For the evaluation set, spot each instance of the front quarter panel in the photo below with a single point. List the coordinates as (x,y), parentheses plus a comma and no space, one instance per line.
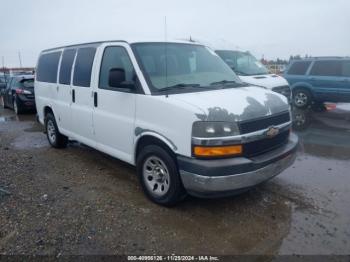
(167,119)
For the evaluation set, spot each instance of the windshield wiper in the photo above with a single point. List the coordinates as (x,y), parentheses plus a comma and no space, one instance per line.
(178,86)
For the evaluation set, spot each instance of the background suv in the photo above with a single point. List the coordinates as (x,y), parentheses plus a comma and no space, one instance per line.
(319,79)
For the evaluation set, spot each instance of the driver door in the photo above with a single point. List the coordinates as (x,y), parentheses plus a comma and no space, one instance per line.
(114,107)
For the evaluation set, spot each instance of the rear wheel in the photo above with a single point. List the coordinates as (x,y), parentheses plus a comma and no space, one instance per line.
(56,139)
(159,176)
(301,98)
(16,106)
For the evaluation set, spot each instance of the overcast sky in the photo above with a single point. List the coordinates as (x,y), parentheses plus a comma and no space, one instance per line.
(272,28)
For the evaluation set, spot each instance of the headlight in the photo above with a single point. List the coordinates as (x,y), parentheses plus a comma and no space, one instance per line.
(204,129)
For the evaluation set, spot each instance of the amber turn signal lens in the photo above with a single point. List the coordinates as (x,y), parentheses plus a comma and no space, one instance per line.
(218,150)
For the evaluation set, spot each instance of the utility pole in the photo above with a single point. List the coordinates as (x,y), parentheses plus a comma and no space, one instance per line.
(3,64)
(20,59)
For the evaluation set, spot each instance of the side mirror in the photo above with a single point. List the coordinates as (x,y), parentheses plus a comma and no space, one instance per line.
(116,78)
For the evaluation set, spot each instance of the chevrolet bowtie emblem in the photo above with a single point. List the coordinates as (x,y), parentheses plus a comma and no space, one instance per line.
(272,132)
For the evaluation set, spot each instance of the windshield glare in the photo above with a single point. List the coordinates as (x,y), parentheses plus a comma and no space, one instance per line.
(182,65)
(243,63)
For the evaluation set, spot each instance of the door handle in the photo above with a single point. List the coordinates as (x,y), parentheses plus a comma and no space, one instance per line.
(95,99)
(73,95)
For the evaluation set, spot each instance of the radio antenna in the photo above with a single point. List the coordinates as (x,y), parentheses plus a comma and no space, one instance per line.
(166,53)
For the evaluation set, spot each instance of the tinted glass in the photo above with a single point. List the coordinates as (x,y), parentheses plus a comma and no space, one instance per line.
(115,57)
(83,66)
(326,68)
(346,69)
(27,83)
(47,67)
(299,68)
(66,66)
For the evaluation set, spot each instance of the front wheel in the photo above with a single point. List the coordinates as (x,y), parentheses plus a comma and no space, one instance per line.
(301,98)
(56,139)
(159,176)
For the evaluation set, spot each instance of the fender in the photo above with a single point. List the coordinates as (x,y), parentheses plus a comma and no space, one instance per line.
(139,133)
(302,85)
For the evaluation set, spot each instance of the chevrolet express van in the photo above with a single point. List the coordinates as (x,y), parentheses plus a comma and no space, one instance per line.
(175,110)
(251,71)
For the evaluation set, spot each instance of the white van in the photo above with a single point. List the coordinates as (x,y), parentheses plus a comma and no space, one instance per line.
(175,110)
(251,71)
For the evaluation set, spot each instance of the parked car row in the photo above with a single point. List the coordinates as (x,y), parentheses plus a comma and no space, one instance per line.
(175,110)
(192,120)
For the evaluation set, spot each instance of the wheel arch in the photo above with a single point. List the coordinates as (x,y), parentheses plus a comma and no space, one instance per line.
(302,85)
(152,138)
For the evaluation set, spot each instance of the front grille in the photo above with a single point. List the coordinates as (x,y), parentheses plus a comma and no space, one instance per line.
(261,146)
(263,123)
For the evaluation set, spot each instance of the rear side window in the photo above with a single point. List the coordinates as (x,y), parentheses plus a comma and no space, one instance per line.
(346,69)
(83,66)
(47,67)
(299,68)
(115,57)
(28,83)
(326,68)
(66,66)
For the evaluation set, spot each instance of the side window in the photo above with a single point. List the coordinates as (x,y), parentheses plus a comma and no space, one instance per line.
(115,57)
(299,68)
(83,66)
(346,68)
(47,67)
(66,66)
(326,68)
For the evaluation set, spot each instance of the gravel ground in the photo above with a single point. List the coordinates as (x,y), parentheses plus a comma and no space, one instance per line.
(80,201)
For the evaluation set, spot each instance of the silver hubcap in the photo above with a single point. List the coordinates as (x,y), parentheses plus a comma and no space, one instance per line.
(300,99)
(156,176)
(51,132)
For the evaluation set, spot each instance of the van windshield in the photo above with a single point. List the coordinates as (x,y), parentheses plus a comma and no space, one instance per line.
(183,67)
(243,63)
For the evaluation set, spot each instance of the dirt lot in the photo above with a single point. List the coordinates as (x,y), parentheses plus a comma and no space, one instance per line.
(80,201)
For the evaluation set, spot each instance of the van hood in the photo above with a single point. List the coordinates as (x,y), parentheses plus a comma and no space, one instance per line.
(235,104)
(269,81)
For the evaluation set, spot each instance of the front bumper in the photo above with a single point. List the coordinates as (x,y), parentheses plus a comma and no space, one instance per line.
(211,178)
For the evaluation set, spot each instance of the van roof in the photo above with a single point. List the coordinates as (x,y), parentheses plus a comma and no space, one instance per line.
(123,41)
(322,58)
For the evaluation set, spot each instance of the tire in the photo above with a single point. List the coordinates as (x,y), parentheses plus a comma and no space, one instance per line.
(301,98)
(55,138)
(159,177)
(16,107)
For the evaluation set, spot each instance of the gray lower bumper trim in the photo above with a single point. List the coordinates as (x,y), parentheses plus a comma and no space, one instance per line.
(216,184)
